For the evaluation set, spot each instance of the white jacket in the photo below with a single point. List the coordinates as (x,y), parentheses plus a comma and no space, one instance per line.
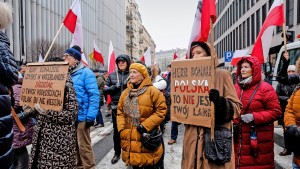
(159,83)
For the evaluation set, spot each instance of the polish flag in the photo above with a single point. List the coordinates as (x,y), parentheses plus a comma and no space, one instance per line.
(238,54)
(97,54)
(111,59)
(73,23)
(262,44)
(206,10)
(175,56)
(146,58)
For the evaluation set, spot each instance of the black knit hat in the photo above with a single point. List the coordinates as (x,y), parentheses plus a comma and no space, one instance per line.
(203,45)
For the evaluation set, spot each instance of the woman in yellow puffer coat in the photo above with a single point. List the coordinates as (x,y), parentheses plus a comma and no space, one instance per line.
(292,121)
(141,108)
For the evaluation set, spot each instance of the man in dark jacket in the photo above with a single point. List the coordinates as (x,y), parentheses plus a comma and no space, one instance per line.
(8,76)
(116,83)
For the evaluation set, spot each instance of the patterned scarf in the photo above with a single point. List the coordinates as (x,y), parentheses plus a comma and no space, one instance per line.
(71,68)
(131,106)
(244,82)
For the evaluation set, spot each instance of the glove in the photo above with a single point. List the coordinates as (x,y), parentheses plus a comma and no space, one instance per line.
(293,130)
(89,123)
(214,96)
(40,110)
(27,109)
(118,85)
(140,128)
(247,118)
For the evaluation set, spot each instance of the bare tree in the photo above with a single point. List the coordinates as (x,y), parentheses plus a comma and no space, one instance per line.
(40,47)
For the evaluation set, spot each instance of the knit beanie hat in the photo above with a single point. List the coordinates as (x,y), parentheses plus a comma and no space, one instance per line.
(291,68)
(74,53)
(140,68)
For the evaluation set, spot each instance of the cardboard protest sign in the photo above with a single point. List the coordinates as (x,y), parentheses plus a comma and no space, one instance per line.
(44,83)
(190,84)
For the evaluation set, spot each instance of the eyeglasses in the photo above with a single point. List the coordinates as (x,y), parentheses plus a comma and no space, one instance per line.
(65,56)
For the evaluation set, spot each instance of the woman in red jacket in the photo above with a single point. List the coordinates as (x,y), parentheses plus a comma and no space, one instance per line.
(254,144)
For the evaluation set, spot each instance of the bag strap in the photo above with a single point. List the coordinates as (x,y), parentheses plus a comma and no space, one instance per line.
(17,120)
(247,107)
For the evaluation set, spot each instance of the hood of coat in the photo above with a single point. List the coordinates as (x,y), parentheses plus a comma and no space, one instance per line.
(80,66)
(256,69)
(124,57)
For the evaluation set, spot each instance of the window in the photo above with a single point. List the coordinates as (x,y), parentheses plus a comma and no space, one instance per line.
(289,12)
(244,33)
(264,13)
(252,29)
(270,3)
(248,32)
(252,2)
(257,22)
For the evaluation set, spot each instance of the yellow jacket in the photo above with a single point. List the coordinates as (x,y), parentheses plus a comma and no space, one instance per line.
(152,112)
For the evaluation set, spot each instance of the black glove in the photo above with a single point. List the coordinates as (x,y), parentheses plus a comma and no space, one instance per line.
(89,123)
(140,128)
(293,130)
(214,96)
(223,107)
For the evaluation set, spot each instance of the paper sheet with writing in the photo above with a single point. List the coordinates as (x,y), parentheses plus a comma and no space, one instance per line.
(44,83)
(190,85)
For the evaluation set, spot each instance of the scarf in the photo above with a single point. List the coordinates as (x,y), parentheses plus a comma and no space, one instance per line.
(71,68)
(244,82)
(131,106)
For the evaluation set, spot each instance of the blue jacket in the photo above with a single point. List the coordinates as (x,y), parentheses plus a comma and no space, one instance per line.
(87,93)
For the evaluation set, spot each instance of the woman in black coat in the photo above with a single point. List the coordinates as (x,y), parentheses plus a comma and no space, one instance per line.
(8,76)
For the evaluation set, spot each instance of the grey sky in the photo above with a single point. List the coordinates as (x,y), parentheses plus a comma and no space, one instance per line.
(169,22)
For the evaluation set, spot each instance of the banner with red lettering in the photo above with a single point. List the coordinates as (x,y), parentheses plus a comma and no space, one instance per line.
(190,85)
(44,83)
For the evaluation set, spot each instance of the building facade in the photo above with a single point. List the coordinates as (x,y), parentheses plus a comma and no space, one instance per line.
(36,22)
(137,37)
(239,22)
(164,58)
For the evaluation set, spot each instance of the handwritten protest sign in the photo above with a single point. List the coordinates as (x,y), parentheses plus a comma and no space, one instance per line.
(44,83)
(190,85)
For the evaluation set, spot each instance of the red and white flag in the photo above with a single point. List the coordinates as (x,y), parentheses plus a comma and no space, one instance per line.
(175,56)
(206,10)
(73,23)
(98,55)
(238,54)
(146,58)
(111,59)
(262,44)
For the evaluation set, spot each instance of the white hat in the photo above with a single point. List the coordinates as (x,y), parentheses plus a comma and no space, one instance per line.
(291,68)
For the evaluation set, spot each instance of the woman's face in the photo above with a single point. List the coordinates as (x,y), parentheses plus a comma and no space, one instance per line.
(135,76)
(198,52)
(246,70)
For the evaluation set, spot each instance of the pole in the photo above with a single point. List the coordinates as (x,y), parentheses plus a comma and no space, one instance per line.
(284,37)
(213,71)
(55,37)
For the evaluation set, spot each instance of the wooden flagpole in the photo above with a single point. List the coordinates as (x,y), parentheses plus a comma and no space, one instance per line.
(284,37)
(213,66)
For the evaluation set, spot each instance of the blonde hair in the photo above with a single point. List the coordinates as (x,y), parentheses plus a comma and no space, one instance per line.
(5,15)
(154,72)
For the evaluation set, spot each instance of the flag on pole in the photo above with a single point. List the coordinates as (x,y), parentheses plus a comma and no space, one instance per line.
(73,23)
(175,56)
(111,59)
(146,58)
(274,18)
(97,54)
(40,58)
(206,10)
(238,54)
(91,56)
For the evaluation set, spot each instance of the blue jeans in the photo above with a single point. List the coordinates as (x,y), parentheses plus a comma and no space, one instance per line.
(174,130)
(99,118)
(295,166)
